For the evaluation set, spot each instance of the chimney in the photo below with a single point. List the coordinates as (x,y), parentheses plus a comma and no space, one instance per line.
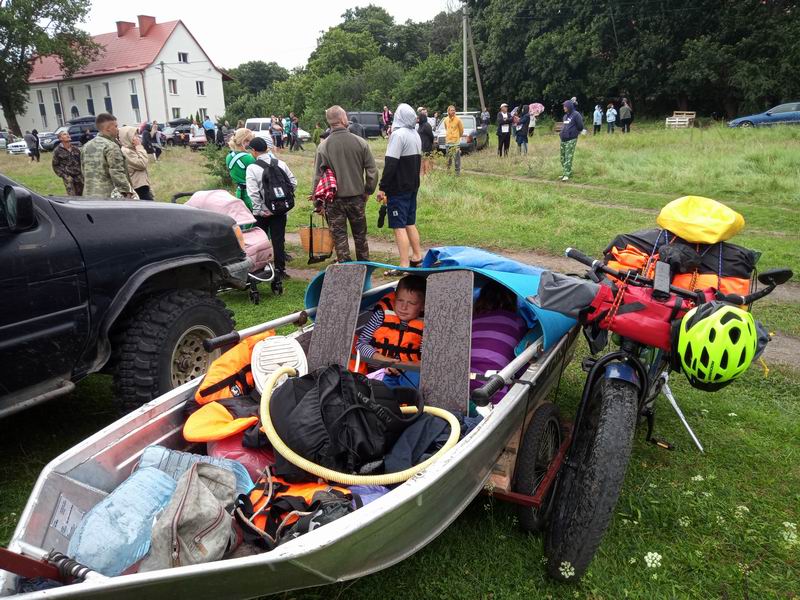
(124,27)
(145,24)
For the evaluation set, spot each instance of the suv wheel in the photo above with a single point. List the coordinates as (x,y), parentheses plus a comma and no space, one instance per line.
(161,346)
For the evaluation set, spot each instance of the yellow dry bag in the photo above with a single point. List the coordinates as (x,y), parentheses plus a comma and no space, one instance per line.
(700,220)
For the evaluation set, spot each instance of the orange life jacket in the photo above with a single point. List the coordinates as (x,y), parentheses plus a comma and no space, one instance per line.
(272,516)
(224,404)
(394,338)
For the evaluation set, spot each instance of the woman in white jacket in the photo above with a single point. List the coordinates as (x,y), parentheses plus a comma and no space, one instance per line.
(136,161)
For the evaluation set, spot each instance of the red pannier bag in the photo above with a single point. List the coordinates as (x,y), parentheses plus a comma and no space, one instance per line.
(636,315)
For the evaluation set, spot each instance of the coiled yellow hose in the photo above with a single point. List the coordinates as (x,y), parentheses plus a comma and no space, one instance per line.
(346,478)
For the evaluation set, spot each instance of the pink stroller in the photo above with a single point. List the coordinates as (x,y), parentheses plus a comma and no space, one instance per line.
(256,243)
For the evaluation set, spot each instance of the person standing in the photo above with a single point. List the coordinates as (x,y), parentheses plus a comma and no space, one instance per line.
(67,165)
(237,161)
(136,161)
(273,225)
(296,145)
(503,130)
(486,117)
(399,185)
(103,164)
(572,128)
(598,119)
(521,131)
(611,117)
(208,126)
(426,137)
(532,123)
(625,116)
(287,131)
(32,141)
(316,135)
(453,130)
(351,160)
(277,132)
(386,120)
(85,136)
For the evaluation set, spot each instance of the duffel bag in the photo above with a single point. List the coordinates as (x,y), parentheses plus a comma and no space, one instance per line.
(338,419)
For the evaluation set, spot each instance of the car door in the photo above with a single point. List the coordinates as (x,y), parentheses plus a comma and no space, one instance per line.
(44,308)
(782,113)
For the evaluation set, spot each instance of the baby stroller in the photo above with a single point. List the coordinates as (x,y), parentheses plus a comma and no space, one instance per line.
(256,243)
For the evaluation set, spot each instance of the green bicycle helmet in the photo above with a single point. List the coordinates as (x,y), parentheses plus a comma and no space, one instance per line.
(716,343)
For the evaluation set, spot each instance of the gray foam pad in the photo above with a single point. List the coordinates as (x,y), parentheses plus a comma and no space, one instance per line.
(337,314)
(447,340)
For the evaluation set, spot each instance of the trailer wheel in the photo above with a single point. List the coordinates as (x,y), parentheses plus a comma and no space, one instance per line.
(588,487)
(539,447)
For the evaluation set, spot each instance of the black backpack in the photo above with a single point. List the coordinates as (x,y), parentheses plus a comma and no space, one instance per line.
(339,420)
(276,188)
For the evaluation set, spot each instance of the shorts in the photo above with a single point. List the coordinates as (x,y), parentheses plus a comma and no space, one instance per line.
(402,209)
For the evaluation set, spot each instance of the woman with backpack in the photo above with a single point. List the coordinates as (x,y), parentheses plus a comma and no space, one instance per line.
(272,200)
(237,161)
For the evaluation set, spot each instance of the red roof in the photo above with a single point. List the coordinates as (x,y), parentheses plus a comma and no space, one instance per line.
(130,52)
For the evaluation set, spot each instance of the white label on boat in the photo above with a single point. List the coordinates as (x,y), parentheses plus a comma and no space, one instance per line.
(66,517)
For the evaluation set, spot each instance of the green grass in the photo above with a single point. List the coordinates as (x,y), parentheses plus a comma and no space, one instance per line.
(750,429)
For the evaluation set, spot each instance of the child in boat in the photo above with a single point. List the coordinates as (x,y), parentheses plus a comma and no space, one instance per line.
(394,331)
(497,328)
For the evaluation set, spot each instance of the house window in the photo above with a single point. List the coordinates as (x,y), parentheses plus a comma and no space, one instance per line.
(203,113)
(137,115)
(57,107)
(88,91)
(90,106)
(173,86)
(201,88)
(132,84)
(39,96)
(56,98)
(71,91)
(183,57)
(74,112)
(42,109)
(107,90)
(176,113)
(107,98)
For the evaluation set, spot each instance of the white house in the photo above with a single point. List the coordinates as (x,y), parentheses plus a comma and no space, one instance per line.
(156,71)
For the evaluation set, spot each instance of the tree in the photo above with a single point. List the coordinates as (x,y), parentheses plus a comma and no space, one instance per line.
(253,77)
(373,20)
(341,51)
(30,28)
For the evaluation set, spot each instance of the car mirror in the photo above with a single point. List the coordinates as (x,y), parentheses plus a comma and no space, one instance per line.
(769,113)
(18,208)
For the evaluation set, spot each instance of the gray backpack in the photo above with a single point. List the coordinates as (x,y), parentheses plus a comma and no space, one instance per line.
(196,526)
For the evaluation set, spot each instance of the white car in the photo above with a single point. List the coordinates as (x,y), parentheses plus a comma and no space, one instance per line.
(18,148)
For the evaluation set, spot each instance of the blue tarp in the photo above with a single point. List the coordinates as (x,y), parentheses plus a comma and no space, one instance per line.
(520,278)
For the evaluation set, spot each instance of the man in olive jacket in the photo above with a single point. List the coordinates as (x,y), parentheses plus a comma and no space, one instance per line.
(104,172)
(351,160)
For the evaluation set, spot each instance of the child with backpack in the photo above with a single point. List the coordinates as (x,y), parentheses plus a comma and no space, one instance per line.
(393,333)
(271,186)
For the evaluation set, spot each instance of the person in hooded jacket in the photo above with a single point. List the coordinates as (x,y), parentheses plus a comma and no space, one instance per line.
(399,185)
(573,126)
(521,130)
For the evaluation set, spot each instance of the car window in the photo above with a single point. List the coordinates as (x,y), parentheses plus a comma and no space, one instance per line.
(252,126)
(469,122)
(782,108)
(266,126)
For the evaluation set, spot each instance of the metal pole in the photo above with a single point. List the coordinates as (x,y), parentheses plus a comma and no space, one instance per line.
(464,27)
(164,89)
(475,66)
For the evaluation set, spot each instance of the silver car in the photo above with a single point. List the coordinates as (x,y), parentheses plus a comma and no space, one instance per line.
(475,135)
(20,147)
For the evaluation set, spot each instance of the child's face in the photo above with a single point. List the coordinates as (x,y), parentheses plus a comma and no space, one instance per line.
(408,305)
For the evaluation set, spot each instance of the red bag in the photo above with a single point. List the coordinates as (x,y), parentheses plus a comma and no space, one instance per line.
(632,312)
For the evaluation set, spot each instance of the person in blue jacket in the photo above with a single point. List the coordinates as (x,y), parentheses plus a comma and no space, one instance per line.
(573,126)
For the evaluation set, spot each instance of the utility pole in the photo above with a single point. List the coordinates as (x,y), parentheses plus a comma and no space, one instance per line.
(464,26)
(475,66)
(164,89)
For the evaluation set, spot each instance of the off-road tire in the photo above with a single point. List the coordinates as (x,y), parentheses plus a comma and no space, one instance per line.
(539,447)
(146,344)
(587,493)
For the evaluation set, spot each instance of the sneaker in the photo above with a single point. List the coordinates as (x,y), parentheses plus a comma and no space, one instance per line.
(565,178)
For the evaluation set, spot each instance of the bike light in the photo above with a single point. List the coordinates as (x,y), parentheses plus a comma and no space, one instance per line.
(239,236)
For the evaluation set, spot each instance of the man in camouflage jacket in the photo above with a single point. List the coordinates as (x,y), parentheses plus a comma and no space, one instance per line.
(104,172)
(67,165)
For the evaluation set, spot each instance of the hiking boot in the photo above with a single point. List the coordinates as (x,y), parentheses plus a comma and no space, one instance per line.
(283,275)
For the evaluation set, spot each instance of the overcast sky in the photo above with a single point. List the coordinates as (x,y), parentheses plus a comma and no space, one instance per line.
(274,30)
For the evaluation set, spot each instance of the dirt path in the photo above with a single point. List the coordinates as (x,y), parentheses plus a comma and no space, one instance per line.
(783,349)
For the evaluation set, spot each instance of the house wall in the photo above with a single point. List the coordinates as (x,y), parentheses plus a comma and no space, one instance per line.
(149,90)
(199,68)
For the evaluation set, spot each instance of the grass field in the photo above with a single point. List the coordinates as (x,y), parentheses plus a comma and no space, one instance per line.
(724,523)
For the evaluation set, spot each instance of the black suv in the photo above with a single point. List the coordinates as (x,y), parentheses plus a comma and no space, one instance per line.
(371,121)
(124,287)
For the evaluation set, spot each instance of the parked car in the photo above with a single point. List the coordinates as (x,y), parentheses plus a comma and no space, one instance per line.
(76,131)
(782,114)
(178,136)
(371,121)
(261,126)
(198,141)
(47,141)
(128,288)
(303,135)
(475,135)
(20,147)
(6,139)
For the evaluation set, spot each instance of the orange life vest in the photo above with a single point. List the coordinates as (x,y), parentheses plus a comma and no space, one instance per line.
(394,338)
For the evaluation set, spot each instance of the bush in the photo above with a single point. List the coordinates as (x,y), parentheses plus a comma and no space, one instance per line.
(215,165)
